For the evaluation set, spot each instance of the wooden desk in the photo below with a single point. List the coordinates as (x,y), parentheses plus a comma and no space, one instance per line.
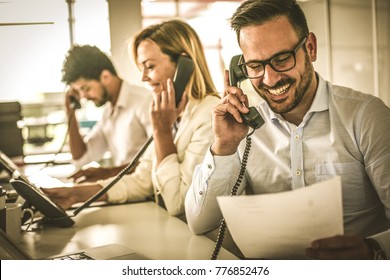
(144,227)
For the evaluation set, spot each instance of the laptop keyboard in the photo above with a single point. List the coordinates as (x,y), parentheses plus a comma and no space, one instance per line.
(76,256)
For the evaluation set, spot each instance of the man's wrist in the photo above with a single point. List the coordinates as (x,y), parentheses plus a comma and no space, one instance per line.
(71,114)
(226,149)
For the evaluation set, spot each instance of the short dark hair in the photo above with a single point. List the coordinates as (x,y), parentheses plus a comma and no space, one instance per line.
(254,12)
(85,62)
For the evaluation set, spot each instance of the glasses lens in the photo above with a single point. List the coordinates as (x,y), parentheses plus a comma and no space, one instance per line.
(253,69)
(280,63)
(283,62)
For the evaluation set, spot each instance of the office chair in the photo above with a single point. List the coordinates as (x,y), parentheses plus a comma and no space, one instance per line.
(11,139)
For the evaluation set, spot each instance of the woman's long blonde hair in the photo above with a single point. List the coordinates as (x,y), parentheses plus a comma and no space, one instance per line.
(176,37)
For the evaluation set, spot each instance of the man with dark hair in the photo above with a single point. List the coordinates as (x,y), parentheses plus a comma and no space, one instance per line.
(313,131)
(124,126)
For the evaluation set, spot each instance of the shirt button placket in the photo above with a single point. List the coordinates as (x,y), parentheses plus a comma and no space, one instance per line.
(297,158)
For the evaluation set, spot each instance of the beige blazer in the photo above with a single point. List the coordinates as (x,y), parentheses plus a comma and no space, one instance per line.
(172,178)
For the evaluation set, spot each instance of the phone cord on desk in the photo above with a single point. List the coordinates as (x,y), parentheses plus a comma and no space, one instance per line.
(52,162)
(222,225)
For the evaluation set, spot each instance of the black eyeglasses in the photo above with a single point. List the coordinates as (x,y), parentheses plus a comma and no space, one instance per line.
(280,62)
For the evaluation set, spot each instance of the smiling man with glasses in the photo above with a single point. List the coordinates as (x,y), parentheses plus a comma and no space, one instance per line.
(313,131)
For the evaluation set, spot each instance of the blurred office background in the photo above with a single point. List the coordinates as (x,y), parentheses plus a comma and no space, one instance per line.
(353,45)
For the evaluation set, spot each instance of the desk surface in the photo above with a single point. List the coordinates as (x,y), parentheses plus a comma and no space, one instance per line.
(143,227)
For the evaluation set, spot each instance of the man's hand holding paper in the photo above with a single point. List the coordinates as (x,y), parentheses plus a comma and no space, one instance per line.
(283,225)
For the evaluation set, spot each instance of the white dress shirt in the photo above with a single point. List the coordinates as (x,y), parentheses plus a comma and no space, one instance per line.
(122,130)
(344,133)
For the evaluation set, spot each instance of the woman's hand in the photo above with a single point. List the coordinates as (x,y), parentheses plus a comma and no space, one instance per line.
(163,114)
(163,110)
(65,197)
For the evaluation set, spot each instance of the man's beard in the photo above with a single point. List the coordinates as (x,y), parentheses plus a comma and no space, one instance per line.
(104,99)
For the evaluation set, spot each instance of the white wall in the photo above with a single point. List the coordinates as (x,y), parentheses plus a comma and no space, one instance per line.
(31,57)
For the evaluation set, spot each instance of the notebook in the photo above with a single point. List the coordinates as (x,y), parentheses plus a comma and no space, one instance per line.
(9,250)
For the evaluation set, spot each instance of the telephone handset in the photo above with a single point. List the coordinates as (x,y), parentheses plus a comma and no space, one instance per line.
(184,69)
(252,118)
(74,103)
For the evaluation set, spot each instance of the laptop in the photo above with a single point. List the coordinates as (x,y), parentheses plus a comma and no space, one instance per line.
(9,250)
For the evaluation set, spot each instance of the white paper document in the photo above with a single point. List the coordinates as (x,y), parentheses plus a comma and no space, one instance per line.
(282,225)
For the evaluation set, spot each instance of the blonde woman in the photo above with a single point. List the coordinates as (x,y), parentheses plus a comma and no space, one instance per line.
(181,133)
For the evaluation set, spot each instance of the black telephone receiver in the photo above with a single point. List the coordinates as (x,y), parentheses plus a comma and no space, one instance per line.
(74,103)
(184,69)
(252,118)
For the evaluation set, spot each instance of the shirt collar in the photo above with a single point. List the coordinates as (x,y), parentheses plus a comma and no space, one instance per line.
(120,103)
(320,101)
(122,98)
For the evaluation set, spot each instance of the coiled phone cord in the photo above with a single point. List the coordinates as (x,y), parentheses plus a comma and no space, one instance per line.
(222,225)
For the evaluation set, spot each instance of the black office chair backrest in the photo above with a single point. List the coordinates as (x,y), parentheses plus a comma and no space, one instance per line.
(11,138)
